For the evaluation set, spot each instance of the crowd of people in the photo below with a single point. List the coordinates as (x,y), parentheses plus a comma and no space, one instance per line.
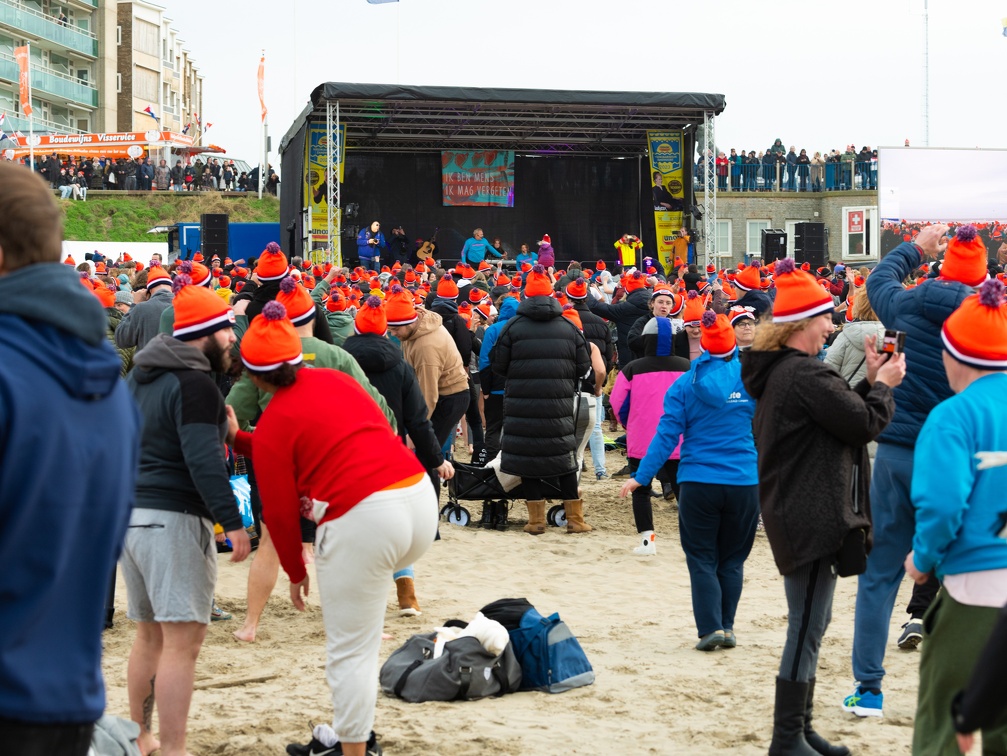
(726,382)
(74,175)
(791,170)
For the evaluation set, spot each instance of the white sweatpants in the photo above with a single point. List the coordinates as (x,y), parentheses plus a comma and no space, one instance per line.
(585,427)
(355,557)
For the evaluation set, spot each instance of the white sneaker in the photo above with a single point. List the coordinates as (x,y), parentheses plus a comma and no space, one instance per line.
(648,544)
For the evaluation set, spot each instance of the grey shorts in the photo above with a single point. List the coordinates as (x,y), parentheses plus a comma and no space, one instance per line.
(169,564)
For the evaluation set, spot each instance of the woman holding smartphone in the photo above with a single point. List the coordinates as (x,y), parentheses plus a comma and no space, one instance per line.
(808,419)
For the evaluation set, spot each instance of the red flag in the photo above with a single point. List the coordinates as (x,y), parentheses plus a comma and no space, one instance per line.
(21,56)
(262,74)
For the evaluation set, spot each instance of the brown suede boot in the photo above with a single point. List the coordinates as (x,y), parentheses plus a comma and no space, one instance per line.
(536,517)
(408,606)
(574,509)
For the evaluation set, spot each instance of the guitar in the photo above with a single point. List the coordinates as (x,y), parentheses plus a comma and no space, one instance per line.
(426,250)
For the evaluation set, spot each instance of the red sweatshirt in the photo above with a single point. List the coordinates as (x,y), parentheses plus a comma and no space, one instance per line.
(340,454)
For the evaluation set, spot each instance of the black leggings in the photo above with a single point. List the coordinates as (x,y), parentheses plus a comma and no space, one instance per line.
(475,420)
(643,510)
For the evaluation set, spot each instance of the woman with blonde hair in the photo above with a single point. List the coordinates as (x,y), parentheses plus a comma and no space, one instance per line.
(808,419)
(846,354)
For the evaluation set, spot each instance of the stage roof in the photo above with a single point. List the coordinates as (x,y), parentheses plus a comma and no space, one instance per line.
(393,118)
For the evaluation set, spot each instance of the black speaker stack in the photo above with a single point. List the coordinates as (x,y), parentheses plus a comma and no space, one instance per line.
(213,235)
(811,244)
(774,244)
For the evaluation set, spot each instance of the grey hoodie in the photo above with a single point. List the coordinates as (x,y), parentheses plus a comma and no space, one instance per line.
(182,464)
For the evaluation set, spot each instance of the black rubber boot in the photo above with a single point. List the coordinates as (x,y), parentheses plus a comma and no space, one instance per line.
(500,515)
(788,720)
(488,518)
(816,741)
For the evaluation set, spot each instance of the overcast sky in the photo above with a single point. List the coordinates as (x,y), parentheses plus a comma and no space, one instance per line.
(816,74)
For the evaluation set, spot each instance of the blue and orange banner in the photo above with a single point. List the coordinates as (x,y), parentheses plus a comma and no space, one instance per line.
(480,178)
(667,189)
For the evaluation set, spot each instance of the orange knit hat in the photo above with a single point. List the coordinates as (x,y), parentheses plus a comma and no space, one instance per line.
(694,309)
(399,307)
(476,295)
(69,261)
(798,295)
(198,272)
(296,301)
(157,275)
(105,296)
(571,314)
(447,288)
(965,259)
(677,300)
(577,289)
(371,317)
(336,301)
(502,279)
(636,280)
(198,311)
(271,341)
(272,263)
(198,257)
(717,336)
(538,283)
(976,333)
(748,279)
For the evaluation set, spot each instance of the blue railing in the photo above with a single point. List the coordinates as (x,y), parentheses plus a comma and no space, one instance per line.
(47,82)
(46,27)
(775,177)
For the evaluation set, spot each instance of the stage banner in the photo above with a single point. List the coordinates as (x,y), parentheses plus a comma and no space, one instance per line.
(667,189)
(478,178)
(316,155)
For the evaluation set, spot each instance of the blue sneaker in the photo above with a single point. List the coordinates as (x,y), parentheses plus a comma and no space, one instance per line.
(863,703)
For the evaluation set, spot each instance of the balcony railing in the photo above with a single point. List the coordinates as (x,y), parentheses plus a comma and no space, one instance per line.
(14,123)
(45,27)
(843,176)
(50,82)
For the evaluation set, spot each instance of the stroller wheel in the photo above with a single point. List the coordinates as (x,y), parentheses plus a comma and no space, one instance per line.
(456,515)
(557,516)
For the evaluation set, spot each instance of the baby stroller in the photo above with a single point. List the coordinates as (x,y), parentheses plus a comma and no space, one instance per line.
(474,483)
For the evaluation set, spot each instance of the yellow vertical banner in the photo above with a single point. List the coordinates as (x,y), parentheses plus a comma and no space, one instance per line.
(667,189)
(316,149)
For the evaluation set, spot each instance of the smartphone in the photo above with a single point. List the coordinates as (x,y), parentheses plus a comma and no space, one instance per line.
(892,342)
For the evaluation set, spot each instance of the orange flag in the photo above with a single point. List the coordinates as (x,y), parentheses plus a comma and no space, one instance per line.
(21,56)
(262,98)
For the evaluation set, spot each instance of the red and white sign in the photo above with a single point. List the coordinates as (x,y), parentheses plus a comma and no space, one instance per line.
(855,222)
(124,144)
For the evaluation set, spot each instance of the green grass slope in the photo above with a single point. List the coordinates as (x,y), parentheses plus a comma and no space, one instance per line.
(127,218)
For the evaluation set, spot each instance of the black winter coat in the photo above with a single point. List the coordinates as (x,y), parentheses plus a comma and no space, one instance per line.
(395,380)
(597,332)
(811,430)
(544,357)
(455,325)
(268,291)
(624,314)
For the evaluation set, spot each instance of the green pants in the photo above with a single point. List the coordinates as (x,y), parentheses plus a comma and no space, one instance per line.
(954,635)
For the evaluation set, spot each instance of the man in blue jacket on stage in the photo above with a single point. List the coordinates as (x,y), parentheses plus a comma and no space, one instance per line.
(476,249)
(920,313)
(69,448)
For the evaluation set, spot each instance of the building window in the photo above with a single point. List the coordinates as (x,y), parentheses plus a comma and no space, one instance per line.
(724,238)
(145,37)
(145,84)
(118,82)
(754,237)
(118,35)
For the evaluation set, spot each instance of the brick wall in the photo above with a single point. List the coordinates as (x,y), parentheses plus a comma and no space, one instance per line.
(780,207)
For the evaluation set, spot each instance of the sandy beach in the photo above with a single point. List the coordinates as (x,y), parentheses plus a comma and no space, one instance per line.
(654,693)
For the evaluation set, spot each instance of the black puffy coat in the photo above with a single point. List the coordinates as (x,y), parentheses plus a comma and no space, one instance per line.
(543,357)
(624,314)
(395,380)
(812,431)
(597,332)
(455,325)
